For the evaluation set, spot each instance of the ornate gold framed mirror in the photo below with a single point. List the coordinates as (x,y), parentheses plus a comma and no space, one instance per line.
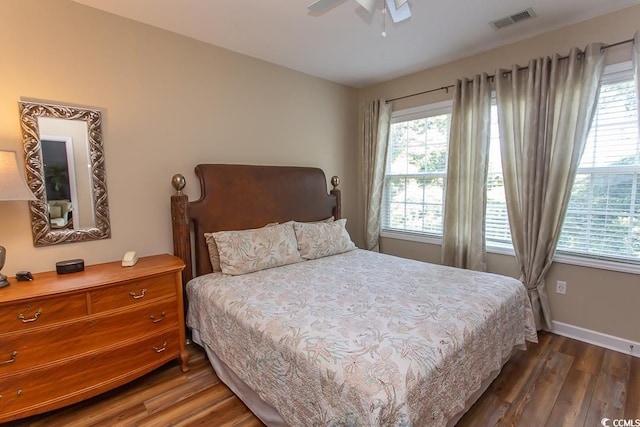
(65,170)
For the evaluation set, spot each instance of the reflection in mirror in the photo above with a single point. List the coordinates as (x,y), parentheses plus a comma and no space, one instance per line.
(67,172)
(64,159)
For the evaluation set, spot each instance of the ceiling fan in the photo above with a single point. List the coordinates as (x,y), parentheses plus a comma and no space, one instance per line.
(398,9)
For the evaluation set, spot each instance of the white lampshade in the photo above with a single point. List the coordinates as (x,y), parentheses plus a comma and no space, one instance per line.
(12,185)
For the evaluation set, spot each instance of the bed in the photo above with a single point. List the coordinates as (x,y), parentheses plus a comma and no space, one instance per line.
(307,329)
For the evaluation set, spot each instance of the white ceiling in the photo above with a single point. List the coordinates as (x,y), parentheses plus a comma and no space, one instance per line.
(344,44)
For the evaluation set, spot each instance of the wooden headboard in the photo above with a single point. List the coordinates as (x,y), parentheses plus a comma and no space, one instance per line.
(239,197)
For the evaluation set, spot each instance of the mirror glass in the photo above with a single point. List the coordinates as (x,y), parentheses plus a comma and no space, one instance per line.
(64,159)
(67,172)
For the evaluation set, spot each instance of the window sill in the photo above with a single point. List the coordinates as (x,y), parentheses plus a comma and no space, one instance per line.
(431,239)
(602,264)
(562,258)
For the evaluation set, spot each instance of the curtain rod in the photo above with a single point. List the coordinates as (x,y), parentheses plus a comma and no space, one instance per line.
(446,88)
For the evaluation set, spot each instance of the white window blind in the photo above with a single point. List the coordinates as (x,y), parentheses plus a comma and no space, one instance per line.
(603,218)
(497,229)
(415,178)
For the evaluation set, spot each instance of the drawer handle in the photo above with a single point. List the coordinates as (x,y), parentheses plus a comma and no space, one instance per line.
(160,319)
(134,296)
(11,359)
(32,319)
(160,349)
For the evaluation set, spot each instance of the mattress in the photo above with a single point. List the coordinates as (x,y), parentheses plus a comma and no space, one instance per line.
(362,338)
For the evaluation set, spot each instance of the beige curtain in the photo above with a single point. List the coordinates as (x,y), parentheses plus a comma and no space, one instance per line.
(376,119)
(465,199)
(544,114)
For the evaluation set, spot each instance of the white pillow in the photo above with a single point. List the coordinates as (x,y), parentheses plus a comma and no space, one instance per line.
(247,251)
(317,240)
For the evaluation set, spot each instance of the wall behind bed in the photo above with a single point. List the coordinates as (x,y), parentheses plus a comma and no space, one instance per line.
(598,303)
(169,102)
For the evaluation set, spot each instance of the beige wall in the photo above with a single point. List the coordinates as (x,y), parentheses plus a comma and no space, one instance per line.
(599,300)
(168,103)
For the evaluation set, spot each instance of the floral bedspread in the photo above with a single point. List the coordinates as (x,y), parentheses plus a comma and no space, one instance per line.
(361,338)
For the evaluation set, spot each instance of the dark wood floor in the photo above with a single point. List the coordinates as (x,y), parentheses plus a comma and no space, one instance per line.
(561,382)
(558,382)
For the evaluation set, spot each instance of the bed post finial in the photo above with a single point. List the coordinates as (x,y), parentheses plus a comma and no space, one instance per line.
(178,183)
(335,191)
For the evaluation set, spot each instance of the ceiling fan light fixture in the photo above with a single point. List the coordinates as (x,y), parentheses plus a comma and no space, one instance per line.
(398,9)
(368,4)
(400,3)
(320,5)
(401,13)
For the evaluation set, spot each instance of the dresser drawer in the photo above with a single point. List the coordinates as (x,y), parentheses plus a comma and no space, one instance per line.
(133,292)
(19,351)
(42,312)
(86,376)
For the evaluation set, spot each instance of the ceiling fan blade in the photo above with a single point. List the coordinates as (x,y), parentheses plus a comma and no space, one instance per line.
(398,14)
(320,5)
(368,4)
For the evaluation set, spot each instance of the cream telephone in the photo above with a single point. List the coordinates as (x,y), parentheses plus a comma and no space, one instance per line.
(129,259)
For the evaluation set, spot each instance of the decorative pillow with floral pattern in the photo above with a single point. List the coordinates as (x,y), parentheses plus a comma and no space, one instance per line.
(317,240)
(257,249)
(214,256)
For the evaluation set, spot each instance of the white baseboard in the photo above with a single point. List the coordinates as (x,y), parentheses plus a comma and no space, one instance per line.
(597,338)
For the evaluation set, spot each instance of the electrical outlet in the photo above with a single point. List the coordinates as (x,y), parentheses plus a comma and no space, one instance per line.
(561,287)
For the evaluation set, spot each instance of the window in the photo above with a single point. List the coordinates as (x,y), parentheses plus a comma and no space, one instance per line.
(603,218)
(497,231)
(415,178)
(416,174)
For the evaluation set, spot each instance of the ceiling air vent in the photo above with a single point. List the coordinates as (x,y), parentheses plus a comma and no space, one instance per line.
(512,19)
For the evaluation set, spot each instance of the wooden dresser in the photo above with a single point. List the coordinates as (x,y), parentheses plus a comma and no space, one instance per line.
(64,338)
